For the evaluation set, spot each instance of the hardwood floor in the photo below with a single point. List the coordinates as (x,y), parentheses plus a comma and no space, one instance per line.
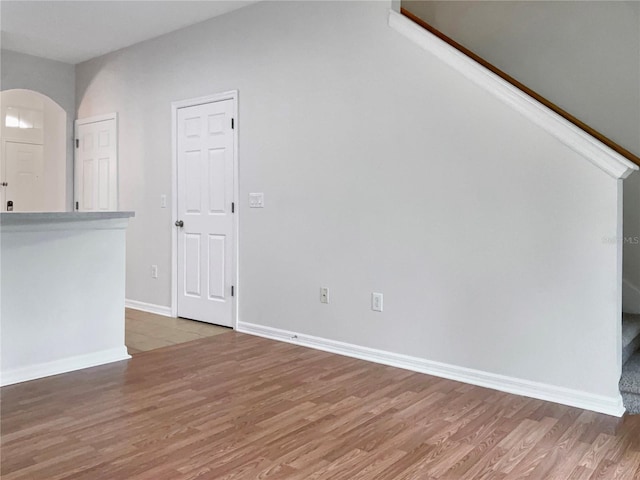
(235,406)
(147,331)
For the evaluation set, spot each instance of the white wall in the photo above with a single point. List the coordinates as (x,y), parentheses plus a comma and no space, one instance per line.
(53,79)
(583,56)
(631,296)
(62,293)
(55,158)
(383,171)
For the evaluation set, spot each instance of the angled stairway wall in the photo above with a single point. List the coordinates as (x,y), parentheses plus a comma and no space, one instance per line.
(384,170)
(582,56)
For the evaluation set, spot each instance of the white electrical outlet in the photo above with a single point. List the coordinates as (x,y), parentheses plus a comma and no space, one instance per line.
(154,271)
(163,201)
(376,302)
(324,295)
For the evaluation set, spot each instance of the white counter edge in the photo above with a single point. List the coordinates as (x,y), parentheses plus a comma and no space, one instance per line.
(37,221)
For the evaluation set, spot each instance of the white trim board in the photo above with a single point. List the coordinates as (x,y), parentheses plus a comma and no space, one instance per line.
(98,118)
(551,393)
(65,365)
(566,132)
(218,97)
(148,307)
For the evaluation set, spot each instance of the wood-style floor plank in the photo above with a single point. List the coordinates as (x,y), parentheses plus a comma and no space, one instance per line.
(146,331)
(235,406)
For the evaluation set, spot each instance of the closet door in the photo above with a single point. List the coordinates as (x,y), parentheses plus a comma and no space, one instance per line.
(96,164)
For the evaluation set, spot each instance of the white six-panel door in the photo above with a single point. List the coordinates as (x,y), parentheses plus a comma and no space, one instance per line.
(96,164)
(205,193)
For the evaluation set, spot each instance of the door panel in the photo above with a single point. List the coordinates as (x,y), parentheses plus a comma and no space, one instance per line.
(192,172)
(217,189)
(96,165)
(104,189)
(192,265)
(87,184)
(216,264)
(205,157)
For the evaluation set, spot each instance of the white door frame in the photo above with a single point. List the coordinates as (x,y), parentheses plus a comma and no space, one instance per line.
(230,95)
(83,121)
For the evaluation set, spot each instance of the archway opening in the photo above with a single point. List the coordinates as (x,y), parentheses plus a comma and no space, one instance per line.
(33,152)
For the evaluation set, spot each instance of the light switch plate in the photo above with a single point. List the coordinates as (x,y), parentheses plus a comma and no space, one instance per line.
(256,200)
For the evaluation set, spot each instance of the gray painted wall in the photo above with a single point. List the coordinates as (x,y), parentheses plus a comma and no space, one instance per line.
(51,78)
(383,171)
(582,55)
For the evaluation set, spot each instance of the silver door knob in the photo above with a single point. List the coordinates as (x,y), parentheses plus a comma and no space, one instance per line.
(179,223)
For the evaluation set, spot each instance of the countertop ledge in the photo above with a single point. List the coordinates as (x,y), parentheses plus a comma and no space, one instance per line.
(30,218)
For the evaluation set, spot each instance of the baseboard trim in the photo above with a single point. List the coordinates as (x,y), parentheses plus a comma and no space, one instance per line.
(57,367)
(574,398)
(148,307)
(630,297)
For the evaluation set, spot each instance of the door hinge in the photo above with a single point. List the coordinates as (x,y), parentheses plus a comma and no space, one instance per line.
(233,207)
(77,205)
(232,290)
(233,123)
(77,143)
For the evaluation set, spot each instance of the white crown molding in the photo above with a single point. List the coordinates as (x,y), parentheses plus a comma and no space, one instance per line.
(575,138)
(574,398)
(57,367)
(148,307)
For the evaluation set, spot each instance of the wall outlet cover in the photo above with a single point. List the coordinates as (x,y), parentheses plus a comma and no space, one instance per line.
(324,295)
(376,302)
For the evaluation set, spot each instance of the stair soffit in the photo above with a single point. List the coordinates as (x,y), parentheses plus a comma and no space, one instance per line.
(602,156)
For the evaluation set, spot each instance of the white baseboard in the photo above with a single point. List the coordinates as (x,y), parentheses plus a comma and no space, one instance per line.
(79,362)
(630,297)
(148,307)
(575,398)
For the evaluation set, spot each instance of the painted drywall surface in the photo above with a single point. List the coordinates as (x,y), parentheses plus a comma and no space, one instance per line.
(55,158)
(631,298)
(53,79)
(62,292)
(583,56)
(383,171)
(631,295)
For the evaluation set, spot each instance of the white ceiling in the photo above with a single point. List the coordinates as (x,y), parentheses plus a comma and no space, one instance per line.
(75,31)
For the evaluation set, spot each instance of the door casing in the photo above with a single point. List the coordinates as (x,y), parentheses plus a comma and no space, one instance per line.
(175,106)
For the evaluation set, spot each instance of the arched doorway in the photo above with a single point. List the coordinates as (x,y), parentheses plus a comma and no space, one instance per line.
(33,152)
